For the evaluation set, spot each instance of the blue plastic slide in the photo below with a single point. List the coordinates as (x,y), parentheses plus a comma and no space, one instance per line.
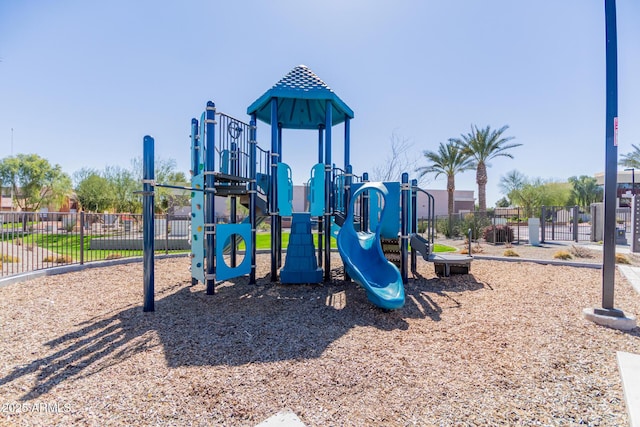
(365,262)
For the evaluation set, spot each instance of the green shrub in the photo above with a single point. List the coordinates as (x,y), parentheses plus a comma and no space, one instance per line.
(510,252)
(562,255)
(501,234)
(442,227)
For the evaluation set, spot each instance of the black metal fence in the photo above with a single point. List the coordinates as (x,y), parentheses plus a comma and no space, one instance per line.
(511,225)
(34,241)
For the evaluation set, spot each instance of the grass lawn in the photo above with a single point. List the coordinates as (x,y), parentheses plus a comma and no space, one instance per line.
(68,245)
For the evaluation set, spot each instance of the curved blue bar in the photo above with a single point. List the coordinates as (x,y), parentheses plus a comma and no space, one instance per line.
(365,262)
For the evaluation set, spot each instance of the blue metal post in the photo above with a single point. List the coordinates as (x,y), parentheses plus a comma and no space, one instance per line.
(327,190)
(279,218)
(148,222)
(404,226)
(195,148)
(611,161)
(347,161)
(320,218)
(210,208)
(274,189)
(414,221)
(364,206)
(253,188)
(233,209)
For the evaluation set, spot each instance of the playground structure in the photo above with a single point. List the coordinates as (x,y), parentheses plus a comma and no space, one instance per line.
(373,223)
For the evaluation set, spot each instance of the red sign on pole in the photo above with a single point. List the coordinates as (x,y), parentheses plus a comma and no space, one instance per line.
(615,131)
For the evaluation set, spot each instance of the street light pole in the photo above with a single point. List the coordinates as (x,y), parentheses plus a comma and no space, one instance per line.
(608,315)
(11,200)
(633,180)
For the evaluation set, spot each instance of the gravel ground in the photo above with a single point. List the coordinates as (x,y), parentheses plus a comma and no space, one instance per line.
(504,345)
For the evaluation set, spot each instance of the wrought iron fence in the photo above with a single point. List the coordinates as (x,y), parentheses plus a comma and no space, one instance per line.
(511,225)
(34,241)
(564,223)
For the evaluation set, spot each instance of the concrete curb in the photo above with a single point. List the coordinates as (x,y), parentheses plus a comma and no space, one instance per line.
(629,366)
(539,261)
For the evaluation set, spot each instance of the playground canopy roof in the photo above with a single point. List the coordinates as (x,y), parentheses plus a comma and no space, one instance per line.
(302,97)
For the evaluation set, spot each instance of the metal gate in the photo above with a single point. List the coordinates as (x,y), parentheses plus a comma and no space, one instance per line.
(564,223)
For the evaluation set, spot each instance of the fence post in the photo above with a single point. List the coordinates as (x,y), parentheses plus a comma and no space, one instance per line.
(81,237)
(166,234)
(543,225)
(576,212)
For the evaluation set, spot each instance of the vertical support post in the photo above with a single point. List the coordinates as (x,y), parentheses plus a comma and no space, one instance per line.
(148,222)
(279,218)
(166,233)
(320,218)
(576,222)
(364,206)
(635,224)
(543,224)
(233,208)
(404,226)
(611,157)
(347,161)
(210,208)
(327,190)
(82,219)
(274,190)
(253,188)
(195,148)
(414,222)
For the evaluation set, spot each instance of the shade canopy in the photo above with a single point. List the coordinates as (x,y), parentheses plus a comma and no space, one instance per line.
(301,97)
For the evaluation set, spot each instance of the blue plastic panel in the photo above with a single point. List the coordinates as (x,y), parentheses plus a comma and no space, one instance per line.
(316,190)
(224,232)
(391,221)
(285,190)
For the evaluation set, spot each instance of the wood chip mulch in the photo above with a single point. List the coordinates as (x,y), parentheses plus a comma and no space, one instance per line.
(504,345)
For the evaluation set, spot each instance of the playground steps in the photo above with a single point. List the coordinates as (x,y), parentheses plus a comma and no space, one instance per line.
(448,264)
(391,250)
(261,204)
(300,264)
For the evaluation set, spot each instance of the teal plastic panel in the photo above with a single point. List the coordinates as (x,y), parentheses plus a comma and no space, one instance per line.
(316,190)
(391,221)
(224,232)
(224,161)
(197,228)
(339,193)
(285,190)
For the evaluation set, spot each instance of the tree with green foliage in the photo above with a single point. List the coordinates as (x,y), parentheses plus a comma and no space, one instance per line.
(449,160)
(532,194)
(35,182)
(123,185)
(585,191)
(510,183)
(632,159)
(483,145)
(95,193)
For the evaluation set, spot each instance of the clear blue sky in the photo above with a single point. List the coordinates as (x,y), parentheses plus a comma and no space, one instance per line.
(81,82)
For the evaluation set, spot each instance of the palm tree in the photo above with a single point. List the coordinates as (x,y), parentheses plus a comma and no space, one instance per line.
(482,145)
(632,159)
(449,160)
(585,190)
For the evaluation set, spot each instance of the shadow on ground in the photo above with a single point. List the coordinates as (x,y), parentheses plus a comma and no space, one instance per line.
(240,324)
